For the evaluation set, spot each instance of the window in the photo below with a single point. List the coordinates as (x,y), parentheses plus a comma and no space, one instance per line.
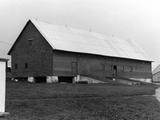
(30,40)
(26,65)
(16,66)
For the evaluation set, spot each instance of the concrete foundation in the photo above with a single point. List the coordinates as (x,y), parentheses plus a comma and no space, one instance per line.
(52,79)
(31,79)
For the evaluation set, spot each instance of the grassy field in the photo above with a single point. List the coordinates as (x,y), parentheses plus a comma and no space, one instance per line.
(27,101)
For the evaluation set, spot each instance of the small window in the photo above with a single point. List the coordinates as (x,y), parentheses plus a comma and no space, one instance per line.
(30,40)
(26,65)
(16,66)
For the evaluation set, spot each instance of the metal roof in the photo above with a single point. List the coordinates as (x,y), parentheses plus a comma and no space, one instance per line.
(76,40)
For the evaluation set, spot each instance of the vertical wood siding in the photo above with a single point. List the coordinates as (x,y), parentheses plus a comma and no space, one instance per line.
(98,66)
(33,50)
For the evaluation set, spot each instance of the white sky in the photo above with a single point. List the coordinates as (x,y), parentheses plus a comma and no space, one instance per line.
(129,19)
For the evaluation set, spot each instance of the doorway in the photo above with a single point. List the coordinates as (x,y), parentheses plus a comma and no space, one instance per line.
(114,71)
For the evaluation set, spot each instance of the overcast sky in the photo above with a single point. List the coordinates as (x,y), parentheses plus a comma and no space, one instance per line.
(138,20)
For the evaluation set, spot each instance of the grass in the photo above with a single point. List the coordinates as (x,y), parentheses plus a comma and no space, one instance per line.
(81,102)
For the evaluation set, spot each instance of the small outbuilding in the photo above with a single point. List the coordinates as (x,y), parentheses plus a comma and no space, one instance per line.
(3,63)
(156,74)
(54,52)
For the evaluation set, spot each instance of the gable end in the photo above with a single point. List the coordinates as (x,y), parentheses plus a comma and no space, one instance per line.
(14,44)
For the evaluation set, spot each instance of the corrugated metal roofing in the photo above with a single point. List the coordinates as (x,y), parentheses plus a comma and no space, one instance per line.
(76,40)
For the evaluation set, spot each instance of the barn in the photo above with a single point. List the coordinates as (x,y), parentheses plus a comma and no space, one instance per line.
(45,51)
(156,74)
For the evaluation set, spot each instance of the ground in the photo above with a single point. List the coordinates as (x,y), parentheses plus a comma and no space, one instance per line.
(27,101)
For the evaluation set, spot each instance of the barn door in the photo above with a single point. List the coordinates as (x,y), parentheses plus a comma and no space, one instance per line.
(74,68)
(114,71)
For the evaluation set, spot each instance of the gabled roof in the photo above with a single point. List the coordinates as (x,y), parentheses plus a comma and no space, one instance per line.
(82,41)
(156,70)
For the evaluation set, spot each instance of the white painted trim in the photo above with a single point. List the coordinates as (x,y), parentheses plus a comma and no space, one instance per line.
(2,86)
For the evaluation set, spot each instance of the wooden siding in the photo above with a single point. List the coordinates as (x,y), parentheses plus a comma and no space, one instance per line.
(98,66)
(64,64)
(31,49)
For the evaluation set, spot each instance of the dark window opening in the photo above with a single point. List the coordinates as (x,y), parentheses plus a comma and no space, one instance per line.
(40,79)
(30,41)
(26,65)
(115,67)
(114,70)
(65,79)
(16,66)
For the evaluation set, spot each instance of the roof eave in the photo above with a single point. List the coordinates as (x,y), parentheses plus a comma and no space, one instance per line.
(103,55)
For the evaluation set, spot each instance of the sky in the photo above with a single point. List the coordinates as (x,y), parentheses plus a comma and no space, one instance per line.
(137,20)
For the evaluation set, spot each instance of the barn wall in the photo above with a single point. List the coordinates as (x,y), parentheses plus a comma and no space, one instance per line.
(64,64)
(102,67)
(32,49)
(98,66)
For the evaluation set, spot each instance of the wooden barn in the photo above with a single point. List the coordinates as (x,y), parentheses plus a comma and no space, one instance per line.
(44,50)
(156,74)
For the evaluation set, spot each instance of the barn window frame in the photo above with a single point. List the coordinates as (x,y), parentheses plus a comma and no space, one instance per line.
(30,40)
(26,65)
